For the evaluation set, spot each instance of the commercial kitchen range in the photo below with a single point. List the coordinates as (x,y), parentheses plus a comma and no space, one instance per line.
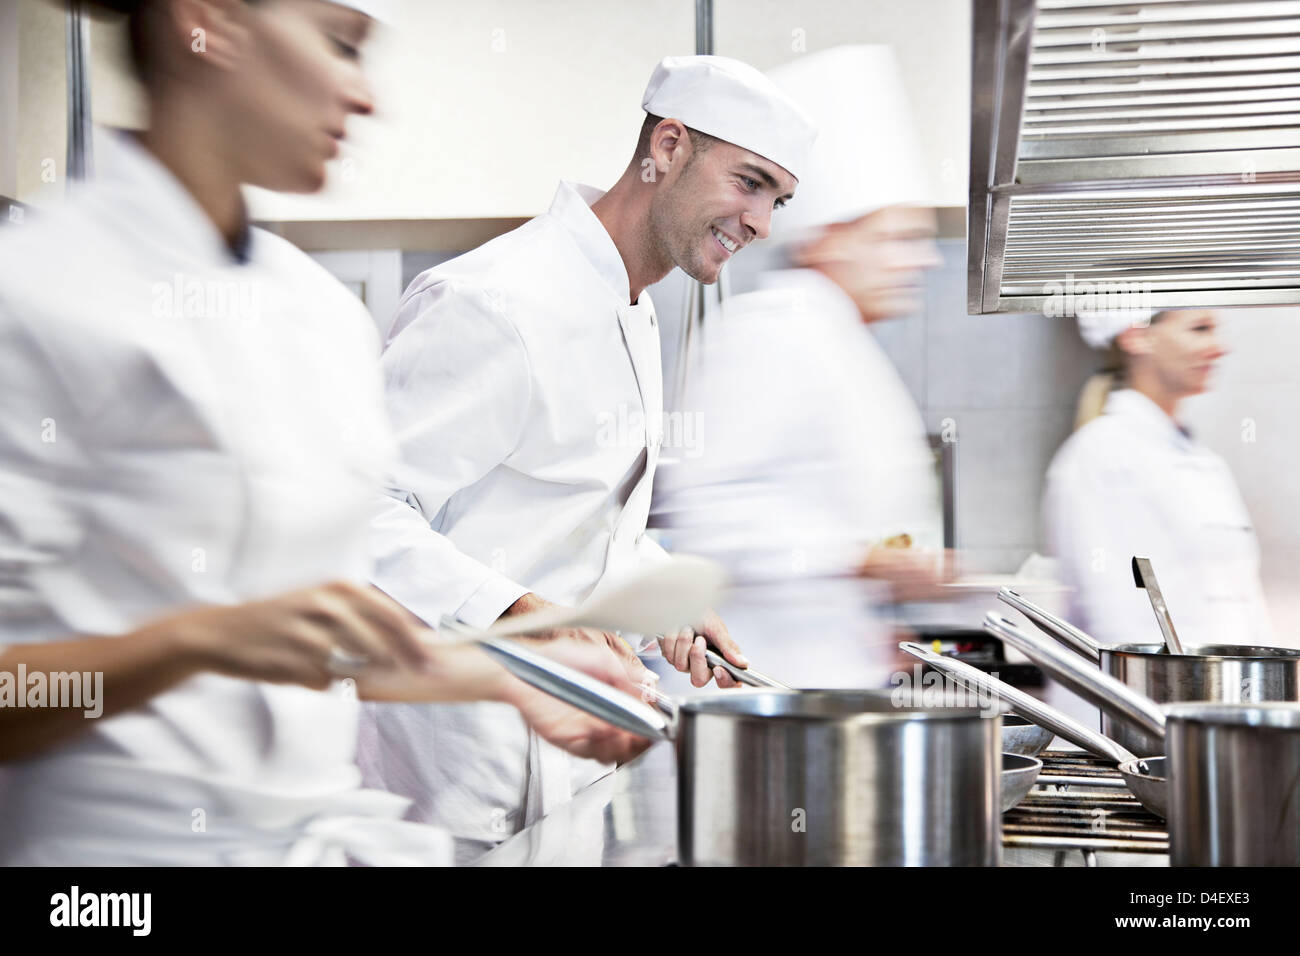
(1079,814)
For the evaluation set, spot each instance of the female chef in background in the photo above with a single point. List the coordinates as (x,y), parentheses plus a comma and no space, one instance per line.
(191,439)
(1133,481)
(814,458)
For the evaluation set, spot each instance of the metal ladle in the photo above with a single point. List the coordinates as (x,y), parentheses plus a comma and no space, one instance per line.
(1145,578)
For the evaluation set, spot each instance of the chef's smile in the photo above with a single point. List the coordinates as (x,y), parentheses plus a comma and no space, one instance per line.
(729,246)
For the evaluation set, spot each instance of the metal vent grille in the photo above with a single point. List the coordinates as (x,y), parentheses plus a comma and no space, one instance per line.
(1155,143)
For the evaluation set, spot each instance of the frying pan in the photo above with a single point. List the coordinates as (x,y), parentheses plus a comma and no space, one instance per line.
(1144,777)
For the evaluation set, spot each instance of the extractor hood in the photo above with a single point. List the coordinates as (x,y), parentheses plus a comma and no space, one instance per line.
(1134,151)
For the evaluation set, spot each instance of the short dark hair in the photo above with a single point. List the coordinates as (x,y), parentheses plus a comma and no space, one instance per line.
(700,142)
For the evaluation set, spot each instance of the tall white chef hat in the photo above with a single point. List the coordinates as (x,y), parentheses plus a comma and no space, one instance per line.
(1100,329)
(867,154)
(734,102)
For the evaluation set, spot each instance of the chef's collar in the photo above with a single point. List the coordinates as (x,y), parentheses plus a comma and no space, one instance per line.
(1132,403)
(156,203)
(572,207)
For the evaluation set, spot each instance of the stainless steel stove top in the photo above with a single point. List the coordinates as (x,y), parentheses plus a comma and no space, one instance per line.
(1080,813)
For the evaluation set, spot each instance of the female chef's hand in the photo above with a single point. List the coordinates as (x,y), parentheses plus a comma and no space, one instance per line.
(564,725)
(685,649)
(290,638)
(637,672)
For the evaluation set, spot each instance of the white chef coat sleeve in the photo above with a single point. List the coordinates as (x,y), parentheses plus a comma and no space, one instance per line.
(457,385)
(1096,519)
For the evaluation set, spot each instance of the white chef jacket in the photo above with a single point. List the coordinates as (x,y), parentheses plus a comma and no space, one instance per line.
(527,396)
(177,429)
(1133,483)
(812,450)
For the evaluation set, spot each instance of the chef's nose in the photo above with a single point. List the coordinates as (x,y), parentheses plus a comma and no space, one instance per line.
(757,219)
(357,96)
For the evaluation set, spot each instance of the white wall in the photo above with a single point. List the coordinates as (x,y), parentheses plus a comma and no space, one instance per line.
(8,98)
(486,106)
(40,151)
(932,39)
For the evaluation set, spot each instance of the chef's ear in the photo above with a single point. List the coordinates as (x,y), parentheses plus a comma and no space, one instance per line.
(1135,340)
(670,144)
(217,32)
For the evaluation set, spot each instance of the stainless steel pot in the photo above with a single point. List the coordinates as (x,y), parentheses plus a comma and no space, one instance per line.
(1233,768)
(1234,784)
(1229,673)
(812,778)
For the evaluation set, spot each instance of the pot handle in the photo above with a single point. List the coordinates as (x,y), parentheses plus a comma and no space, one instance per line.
(1117,699)
(574,687)
(1031,708)
(1051,625)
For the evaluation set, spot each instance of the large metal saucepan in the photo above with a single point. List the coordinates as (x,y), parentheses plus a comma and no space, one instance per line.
(1229,673)
(811,778)
(1233,768)
(1144,777)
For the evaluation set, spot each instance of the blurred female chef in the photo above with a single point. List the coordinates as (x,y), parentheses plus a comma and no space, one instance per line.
(191,438)
(813,453)
(1134,482)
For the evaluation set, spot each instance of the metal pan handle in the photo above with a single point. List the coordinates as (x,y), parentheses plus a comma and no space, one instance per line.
(745,675)
(576,688)
(1031,708)
(568,684)
(1117,699)
(1051,625)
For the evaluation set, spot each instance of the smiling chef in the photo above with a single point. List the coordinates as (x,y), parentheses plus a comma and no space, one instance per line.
(500,367)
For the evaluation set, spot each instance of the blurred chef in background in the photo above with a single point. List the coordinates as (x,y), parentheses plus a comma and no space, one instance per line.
(814,483)
(1133,481)
(508,371)
(191,439)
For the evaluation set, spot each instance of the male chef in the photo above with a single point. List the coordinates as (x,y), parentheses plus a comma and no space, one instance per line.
(504,370)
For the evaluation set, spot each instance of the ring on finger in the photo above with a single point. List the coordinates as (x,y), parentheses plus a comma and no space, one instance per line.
(340,663)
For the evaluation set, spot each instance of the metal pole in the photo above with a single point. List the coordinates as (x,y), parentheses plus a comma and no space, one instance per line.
(80,160)
(704,27)
(698,295)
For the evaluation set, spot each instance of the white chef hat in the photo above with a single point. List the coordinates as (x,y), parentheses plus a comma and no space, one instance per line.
(1100,329)
(867,154)
(734,102)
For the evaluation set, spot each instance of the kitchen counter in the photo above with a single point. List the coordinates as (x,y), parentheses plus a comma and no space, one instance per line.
(628,818)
